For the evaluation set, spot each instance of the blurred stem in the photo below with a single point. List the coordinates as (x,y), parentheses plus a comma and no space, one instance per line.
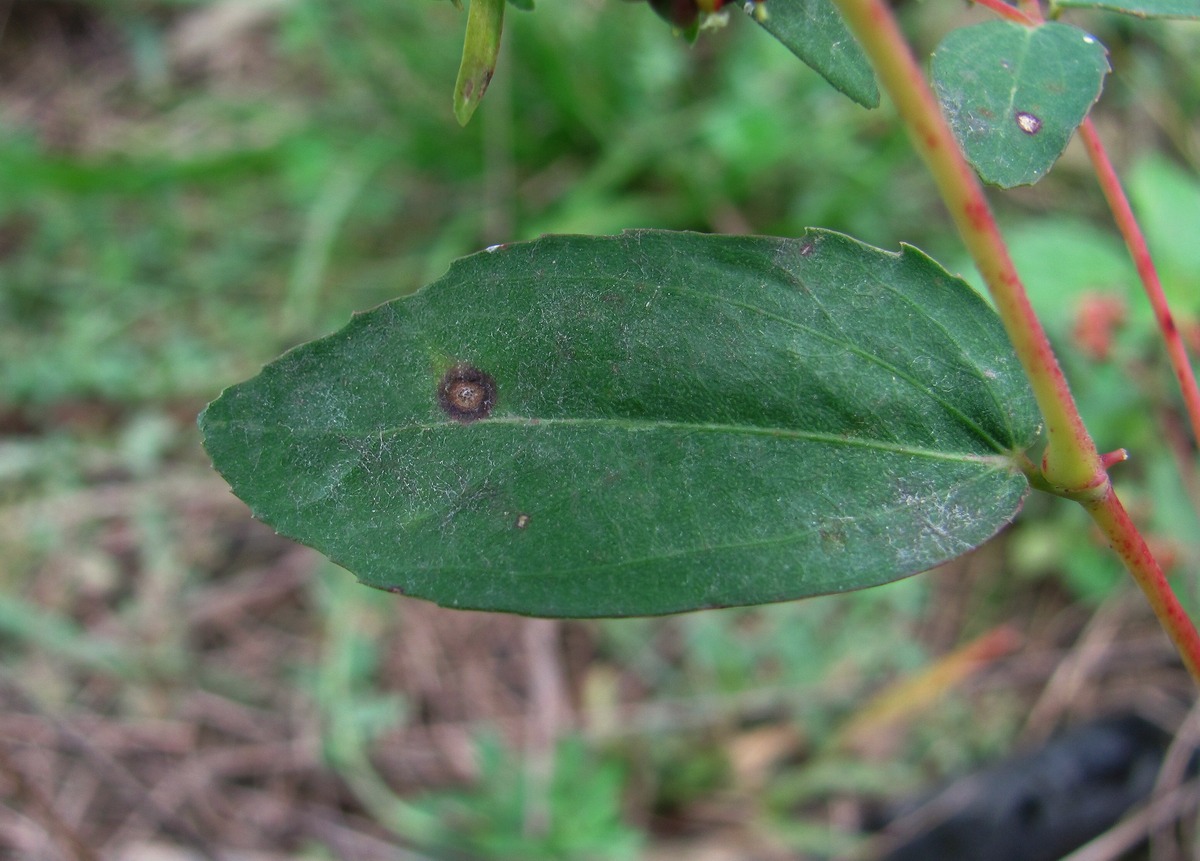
(500,173)
(1031,8)
(326,216)
(1070,465)
(544,721)
(1136,243)
(1001,8)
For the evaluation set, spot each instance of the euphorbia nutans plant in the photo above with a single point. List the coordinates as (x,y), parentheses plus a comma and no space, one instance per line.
(659,421)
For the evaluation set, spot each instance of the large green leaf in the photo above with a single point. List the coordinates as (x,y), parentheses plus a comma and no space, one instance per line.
(1140,8)
(662,422)
(815,32)
(1014,95)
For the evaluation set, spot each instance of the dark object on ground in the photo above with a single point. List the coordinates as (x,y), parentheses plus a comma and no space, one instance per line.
(1044,804)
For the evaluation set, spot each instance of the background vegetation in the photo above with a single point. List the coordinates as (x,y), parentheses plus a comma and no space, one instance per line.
(188,187)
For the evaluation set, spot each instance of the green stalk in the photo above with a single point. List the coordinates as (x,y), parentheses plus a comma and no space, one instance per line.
(481,47)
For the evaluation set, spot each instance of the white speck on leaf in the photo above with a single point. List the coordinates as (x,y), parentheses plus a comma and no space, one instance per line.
(1028,123)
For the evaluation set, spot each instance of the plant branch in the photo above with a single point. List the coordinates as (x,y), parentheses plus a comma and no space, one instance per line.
(1135,241)
(1140,252)
(1071,465)
(1001,8)
(1123,536)
(1031,8)
(1070,462)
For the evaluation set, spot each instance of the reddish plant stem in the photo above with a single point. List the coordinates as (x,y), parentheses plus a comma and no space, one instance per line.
(1012,13)
(1124,538)
(1135,241)
(1140,252)
(1032,9)
(1070,463)
(1112,458)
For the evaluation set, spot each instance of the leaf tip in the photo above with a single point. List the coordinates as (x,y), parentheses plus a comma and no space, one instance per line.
(468,93)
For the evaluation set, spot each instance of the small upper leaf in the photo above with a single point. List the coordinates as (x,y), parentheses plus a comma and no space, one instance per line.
(1140,8)
(642,424)
(481,47)
(814,31)
(1014,95)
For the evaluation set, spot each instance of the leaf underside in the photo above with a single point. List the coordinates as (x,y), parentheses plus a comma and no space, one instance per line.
(1014,95)
(679,421)
(814,31)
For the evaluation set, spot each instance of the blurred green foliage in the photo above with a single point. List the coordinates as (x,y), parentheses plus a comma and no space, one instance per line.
(577,807)
(221,220)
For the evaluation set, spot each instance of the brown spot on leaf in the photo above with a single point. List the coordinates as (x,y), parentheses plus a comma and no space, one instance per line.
(466,394)
(522,521)
(833,536)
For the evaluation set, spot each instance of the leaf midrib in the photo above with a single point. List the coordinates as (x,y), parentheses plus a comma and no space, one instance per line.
(633,425)
(857,350)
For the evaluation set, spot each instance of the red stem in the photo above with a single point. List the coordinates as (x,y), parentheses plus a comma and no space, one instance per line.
(1012,13)
(1070,462)
(1112,458)
(1128,543)
(1107,510)
(1136,242)
(1032,10)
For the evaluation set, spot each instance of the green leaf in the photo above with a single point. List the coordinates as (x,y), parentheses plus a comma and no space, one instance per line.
(667,421)
(1140,8)
(814,31)
(481,47)
(1014,95)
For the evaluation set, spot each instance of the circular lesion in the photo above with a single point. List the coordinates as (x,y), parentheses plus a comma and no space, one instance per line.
(466,393)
